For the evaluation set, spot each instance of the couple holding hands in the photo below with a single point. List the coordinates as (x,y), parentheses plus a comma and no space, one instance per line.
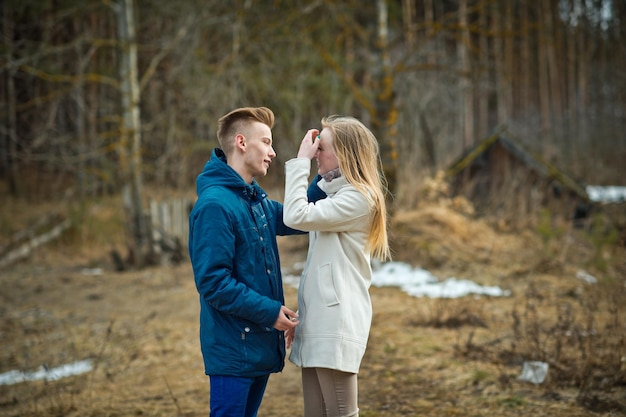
(245,328)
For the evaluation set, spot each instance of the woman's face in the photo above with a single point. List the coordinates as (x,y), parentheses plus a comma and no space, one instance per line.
(325,156)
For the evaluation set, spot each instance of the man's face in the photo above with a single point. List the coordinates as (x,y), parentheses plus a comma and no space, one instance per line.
(258,150)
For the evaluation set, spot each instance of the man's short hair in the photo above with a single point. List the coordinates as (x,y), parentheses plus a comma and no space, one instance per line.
(235,121)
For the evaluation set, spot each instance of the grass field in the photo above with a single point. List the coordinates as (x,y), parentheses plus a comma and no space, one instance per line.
(425,357)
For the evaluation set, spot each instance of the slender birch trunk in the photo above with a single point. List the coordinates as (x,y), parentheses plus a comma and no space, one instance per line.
(131,131)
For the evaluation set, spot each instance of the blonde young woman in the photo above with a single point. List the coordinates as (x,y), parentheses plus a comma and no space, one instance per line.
(347,228)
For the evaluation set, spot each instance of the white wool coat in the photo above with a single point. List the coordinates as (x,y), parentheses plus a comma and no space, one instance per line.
(334,305)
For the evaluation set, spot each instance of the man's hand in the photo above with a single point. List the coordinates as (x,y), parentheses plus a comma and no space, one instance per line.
(287,319)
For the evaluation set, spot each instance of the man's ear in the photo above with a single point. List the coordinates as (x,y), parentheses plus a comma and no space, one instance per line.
(240,142)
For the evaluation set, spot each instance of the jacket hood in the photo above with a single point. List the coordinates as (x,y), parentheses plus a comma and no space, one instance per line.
(217,173)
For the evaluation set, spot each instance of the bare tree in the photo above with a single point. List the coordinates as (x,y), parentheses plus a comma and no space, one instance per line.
(8,166)
(482,75)
(466,112)
(130,131)
(549,49)
(386,113)
(525,58)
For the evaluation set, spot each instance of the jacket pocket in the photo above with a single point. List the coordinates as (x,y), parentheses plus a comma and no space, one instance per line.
(327,288)
(260,349)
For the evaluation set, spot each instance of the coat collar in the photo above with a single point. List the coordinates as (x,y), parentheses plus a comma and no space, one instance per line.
(333,186)
(217,172)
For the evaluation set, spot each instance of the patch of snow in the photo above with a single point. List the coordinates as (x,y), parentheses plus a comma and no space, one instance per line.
(608,194)
(291,280)
(54,374)
(419,282)
(94,272)
(586,276)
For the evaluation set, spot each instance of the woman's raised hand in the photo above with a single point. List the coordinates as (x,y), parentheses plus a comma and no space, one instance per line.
(309,144)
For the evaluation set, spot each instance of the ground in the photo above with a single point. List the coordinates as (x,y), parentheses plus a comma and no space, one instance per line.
(425,357)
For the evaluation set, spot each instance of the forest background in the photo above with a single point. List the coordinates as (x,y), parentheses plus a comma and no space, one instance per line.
(98,94)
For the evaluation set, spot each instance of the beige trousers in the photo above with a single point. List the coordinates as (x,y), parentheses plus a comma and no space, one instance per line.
(329,393)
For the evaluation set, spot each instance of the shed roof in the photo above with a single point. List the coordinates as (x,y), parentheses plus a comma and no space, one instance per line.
(531,160)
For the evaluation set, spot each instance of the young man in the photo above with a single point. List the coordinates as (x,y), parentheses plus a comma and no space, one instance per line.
(234,255)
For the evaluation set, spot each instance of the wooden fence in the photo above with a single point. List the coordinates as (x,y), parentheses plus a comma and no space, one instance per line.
(170,223)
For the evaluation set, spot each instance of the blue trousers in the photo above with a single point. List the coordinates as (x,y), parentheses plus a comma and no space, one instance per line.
(233,396)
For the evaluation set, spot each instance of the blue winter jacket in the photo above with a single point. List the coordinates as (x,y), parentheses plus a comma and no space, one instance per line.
(234,255)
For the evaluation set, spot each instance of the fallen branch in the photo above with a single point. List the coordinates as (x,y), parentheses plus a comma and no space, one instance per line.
(27,248)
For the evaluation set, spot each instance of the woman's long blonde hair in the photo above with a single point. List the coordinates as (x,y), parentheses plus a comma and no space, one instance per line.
(358,154)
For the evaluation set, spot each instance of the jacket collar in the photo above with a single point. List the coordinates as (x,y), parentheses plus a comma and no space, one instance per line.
(333,186)
(217,172)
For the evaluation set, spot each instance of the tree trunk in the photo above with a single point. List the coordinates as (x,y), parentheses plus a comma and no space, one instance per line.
(410,27)
(384,120)
(79,98)
(482,76)
(431,34)
(572,98)
(554,83)
(8,166)
(131,133)
(509,61)
(429,147)
(582,58)
(501,75)
(544,85)
(526,66)
(466,113)
(429,143)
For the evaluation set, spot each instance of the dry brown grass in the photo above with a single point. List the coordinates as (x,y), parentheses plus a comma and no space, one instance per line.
(426,357)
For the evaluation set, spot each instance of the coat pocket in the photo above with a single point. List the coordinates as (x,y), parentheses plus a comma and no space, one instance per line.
(327,288)
(260,349)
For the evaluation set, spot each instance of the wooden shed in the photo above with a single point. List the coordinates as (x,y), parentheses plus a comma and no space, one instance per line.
(504,180)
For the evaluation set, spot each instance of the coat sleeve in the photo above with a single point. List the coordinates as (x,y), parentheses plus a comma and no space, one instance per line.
(314,192)
(344,211)
(211,249)
(281,228)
